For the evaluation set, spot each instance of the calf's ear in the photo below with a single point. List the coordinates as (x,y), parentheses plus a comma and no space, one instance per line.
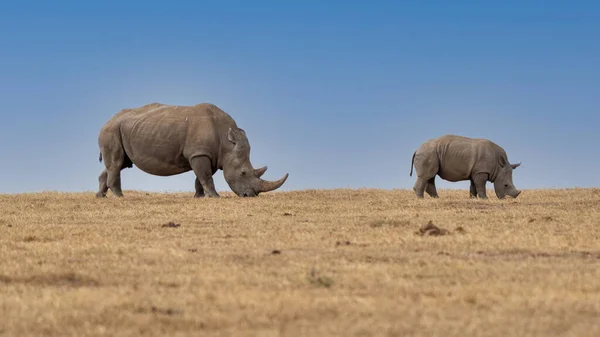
(514,166)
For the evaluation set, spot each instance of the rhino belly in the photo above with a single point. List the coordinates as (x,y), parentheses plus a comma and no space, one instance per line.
(158,167)
(457,171)
(458,157)
(157,158)
(453,177)
(154,143)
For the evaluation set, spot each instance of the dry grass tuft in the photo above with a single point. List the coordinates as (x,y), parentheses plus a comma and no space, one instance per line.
(303,263)
(171,224)
(68,279)
(430,229)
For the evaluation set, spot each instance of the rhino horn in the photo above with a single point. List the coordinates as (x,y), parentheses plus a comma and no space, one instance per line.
(514,166)
(266,186)
(260,171)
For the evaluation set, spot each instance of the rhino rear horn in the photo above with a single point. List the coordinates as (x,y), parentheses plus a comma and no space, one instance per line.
(266,186)
(260,171)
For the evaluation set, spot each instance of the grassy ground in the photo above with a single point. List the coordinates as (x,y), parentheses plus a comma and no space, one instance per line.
(310,263)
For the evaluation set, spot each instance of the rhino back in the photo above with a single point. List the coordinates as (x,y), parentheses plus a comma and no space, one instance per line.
(160,139)
(461,157)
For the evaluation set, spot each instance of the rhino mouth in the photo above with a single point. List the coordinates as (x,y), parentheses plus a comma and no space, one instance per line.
(257,186)
(249,194)
(513,195)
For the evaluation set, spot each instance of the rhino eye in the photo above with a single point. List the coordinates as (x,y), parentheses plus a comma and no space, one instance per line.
(243,173)
(506,185)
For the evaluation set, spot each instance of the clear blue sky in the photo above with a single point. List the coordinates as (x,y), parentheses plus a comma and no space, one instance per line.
(337,93)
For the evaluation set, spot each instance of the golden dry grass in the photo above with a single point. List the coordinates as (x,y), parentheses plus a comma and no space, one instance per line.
(306,263)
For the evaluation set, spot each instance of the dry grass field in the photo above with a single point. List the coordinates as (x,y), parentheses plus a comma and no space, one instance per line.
(305,263)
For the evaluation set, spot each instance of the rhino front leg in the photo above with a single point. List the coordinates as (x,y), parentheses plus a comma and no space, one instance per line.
(430,189)
(103,184)
(199,189)
(420,186)
(480,180)
(473,190)
(203,170)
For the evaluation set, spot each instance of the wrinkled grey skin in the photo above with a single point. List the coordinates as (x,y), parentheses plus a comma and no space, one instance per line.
(166,140)
(457,158)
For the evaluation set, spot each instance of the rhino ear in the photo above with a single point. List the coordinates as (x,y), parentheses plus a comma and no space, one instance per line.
(514,166)
(234,136)
(502,162)
(231,136)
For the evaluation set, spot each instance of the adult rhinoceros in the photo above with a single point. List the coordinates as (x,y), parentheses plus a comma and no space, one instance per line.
(457,158)
(166,140)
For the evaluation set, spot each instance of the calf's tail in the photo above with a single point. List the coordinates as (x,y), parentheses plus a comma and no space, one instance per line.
(412,163)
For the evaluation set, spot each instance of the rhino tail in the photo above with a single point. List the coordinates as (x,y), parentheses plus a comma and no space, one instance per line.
(100,157)
(412,163)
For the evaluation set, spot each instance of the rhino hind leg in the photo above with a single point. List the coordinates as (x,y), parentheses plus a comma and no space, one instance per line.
(430,189)
(103,184)
(114,181)
(420,186)
(203,169)
(115,160)
(480,180)
(199,189)
(473,190)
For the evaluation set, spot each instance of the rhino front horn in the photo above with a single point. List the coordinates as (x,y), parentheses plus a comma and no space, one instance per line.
(260,171)
(266,186)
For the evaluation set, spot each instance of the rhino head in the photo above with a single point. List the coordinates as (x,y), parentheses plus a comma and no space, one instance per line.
(503,185)
(242,178)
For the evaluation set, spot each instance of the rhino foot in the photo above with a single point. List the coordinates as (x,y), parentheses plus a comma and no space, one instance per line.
(207,195)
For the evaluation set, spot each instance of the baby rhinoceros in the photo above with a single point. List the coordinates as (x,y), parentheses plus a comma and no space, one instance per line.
(166,140)
(456,158)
